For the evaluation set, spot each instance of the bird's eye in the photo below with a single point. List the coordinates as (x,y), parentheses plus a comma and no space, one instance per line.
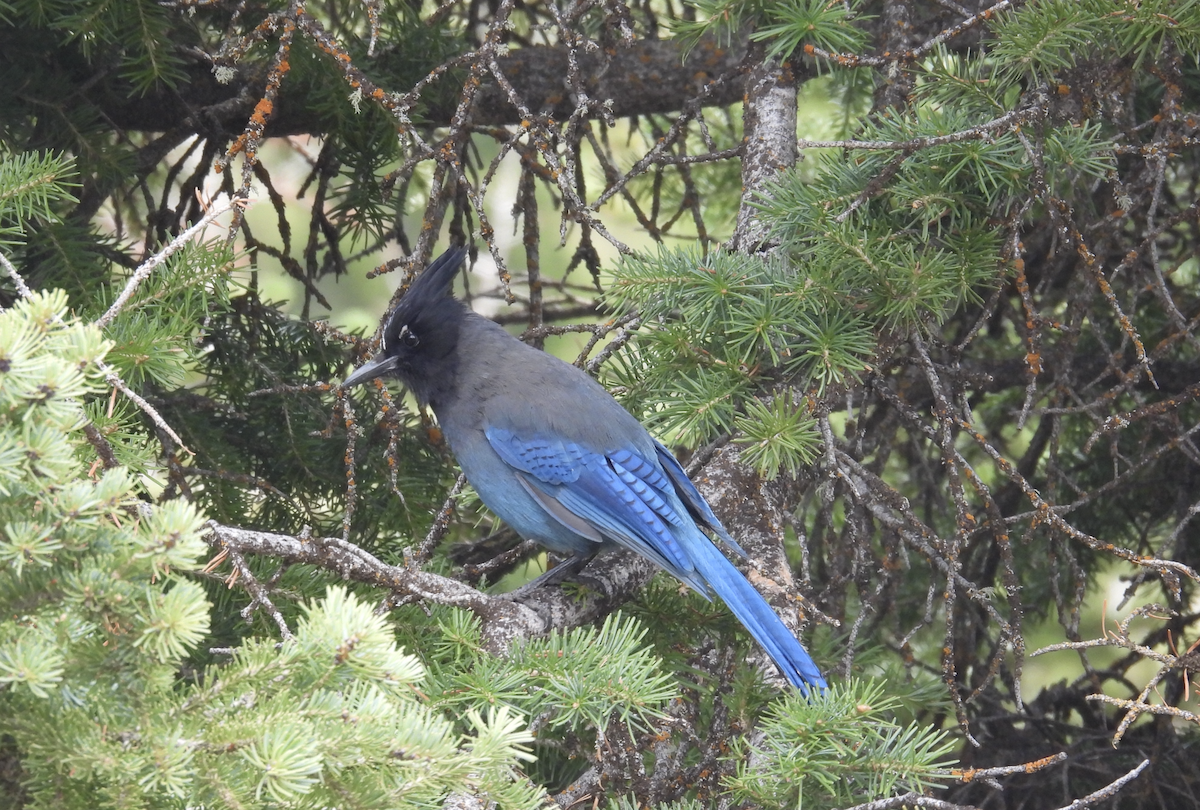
(410,340)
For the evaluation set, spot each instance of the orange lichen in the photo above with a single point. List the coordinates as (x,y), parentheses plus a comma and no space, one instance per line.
(262,111)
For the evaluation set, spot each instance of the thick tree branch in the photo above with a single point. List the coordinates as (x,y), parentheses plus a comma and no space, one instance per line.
(611,580)
(641,78)
(769,121)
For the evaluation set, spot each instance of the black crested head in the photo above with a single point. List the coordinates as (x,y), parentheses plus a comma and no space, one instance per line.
(421,334)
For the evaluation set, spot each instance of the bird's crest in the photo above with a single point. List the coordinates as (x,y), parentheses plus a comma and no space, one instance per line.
(421,333)
(429,288)
(428,306)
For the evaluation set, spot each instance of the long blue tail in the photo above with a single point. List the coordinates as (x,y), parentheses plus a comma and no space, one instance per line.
(758,617)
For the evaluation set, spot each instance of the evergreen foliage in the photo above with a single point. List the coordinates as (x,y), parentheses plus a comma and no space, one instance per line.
(103,610)
(840,751)
(582,679)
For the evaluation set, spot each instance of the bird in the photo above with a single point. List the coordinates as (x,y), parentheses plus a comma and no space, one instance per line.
(551,453)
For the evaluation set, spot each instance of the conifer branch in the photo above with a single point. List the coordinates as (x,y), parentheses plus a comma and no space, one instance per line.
(110,374)
(977,132)
(147,267)
(505,621)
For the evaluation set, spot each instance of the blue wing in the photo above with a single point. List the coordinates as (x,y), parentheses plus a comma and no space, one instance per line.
(621,495)
(701,512)
(651,507)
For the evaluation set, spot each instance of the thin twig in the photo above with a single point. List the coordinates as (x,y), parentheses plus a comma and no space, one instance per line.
(258,593)
(114,379)
(971,134)
(1108,791)
(147,267)
(425,551)
(975,774)
(912,800)
(22,287)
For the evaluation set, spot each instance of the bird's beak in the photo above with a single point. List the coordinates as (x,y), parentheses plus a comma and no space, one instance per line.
(370,370)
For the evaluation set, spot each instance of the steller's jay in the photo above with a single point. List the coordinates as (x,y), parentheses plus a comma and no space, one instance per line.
(554,455)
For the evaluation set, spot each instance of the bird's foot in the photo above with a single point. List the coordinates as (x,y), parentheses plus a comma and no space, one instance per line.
(565,570)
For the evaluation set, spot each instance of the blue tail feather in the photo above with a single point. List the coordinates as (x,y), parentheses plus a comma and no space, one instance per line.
(758,617)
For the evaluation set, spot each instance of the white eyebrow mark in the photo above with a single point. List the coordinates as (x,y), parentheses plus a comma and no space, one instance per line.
(383,338)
